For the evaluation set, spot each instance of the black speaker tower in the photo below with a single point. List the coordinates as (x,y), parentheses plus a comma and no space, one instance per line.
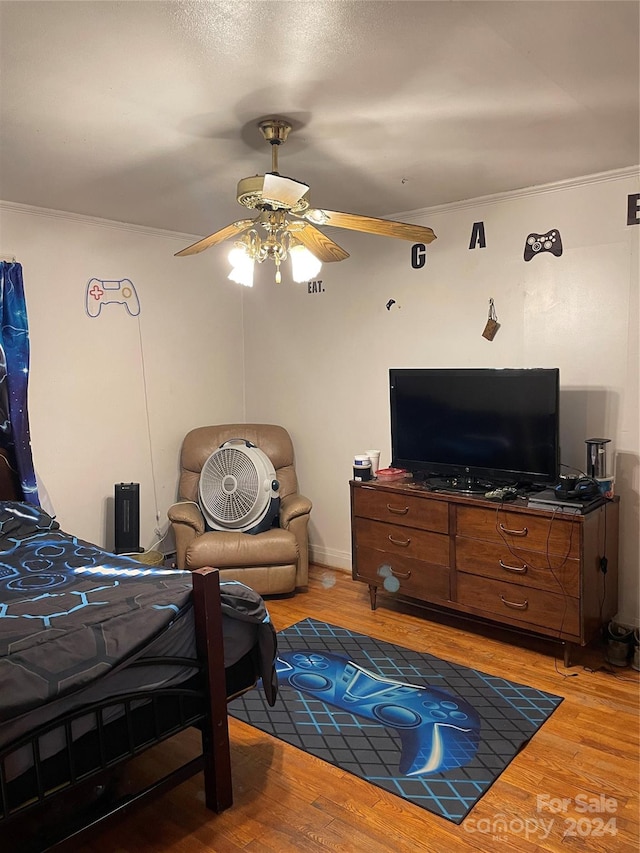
(127,518)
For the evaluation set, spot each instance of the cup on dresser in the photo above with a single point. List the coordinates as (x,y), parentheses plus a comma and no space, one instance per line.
(361,467)
(374,456)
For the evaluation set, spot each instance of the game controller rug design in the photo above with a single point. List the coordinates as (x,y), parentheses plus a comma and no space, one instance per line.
(432,732)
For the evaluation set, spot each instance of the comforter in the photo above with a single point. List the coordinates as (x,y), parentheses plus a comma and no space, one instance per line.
(71,613)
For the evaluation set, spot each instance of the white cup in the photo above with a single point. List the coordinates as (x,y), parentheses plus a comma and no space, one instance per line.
(374,456)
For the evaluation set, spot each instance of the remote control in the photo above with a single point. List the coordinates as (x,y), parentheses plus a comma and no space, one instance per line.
(506,493)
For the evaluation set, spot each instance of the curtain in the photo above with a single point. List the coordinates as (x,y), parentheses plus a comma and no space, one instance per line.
(15,437)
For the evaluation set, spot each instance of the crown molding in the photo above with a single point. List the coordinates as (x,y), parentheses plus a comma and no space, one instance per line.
(525,192)
(31,210)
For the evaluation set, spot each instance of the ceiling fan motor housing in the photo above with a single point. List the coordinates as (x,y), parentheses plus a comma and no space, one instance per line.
(238,490)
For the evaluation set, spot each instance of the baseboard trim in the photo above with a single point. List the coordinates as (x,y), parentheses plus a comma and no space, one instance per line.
(330,558)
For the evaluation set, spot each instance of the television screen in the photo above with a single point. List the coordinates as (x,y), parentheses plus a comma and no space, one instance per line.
(494,424)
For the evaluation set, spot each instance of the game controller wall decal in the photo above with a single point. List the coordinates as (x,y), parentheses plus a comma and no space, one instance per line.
(438,730)
(100,292)
(536,244)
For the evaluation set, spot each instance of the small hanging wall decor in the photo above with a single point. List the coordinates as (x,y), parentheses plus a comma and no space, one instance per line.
(492,324)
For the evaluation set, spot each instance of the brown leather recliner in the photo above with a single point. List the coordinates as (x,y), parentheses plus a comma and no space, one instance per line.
(274,561)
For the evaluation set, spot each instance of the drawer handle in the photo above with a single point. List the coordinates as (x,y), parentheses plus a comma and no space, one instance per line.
(515,605)
(522,532)
(403,542)
(402,575)
(519,570)
(398,510)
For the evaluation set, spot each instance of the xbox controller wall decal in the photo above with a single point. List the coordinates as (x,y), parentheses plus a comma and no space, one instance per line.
(537,244)
(438,730)
(100,292)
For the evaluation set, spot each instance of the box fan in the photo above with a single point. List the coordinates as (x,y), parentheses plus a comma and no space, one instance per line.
(238,489)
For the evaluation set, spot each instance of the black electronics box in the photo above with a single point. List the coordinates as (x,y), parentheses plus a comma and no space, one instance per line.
(550,499)
(127,518)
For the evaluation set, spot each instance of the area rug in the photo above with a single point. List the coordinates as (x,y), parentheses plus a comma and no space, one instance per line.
(432,732)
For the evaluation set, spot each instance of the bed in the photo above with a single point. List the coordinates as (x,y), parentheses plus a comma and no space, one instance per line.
(102,658)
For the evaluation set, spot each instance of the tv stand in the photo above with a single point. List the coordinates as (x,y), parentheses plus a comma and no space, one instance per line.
(529,569)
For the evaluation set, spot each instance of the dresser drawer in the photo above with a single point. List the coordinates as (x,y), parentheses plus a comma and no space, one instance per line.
(400,508)
(547,612)
(545,534)
(403,575)
(399,541)
(516,565)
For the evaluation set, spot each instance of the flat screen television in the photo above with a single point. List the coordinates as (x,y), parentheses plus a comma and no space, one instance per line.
(476,426)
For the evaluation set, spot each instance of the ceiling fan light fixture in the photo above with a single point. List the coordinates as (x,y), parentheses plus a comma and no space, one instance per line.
(242,266)
(304,264)
(284,214)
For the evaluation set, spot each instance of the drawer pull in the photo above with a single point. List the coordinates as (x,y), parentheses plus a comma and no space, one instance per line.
(404,543)
(522,606)
(398,510)
(401,575)
(522,532)
(519,570)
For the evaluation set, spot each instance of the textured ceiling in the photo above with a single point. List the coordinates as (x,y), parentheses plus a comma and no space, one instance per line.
(146,112)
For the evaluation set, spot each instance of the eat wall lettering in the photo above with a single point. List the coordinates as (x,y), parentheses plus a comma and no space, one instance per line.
(315,287)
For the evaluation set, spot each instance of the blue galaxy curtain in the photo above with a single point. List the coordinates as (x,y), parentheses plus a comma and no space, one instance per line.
(15,437)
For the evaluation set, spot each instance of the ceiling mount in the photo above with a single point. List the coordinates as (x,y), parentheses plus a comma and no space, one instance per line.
(275,130)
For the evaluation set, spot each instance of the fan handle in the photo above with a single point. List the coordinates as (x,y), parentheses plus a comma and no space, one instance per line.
(244,441)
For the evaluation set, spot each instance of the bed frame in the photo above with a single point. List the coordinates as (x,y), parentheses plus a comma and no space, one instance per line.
(88,763)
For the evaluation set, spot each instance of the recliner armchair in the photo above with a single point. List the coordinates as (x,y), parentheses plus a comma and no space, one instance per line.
(274,561)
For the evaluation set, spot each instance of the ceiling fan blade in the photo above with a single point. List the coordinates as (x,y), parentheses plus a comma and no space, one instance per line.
(217,237)
(371,225)
(317,243)
(285,191)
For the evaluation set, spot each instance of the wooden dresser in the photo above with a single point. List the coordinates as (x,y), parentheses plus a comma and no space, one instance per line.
(531,569)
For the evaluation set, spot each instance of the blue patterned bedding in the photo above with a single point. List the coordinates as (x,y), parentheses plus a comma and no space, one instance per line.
(70,612)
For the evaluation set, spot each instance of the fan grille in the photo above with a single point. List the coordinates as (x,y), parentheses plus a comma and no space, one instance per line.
(230,482)
(238,489)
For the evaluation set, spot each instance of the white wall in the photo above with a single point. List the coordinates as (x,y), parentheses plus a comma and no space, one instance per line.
(318,362)
(111,397)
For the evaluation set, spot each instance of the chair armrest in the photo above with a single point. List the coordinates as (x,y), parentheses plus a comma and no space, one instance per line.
(187,512)
(293,506)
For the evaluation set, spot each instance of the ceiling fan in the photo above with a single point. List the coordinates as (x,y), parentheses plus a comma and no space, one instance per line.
(286,224)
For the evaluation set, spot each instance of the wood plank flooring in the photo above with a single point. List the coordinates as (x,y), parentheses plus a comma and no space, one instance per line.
(583,761)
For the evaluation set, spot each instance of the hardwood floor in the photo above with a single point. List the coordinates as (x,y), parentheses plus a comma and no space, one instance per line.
(583,761)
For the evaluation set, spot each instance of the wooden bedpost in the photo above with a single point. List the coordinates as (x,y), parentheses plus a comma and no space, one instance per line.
(215,737)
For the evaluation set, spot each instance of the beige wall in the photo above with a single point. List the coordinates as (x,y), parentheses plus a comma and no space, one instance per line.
(111,398)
